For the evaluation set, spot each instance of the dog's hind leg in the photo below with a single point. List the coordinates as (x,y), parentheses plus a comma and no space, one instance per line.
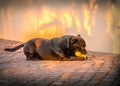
(29,52)
(29,56)
(37,57)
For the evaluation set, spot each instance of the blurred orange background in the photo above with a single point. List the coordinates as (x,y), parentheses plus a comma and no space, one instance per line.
(98,21)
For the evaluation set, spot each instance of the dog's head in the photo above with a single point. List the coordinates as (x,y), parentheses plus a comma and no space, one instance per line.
(77,43)
(71,43)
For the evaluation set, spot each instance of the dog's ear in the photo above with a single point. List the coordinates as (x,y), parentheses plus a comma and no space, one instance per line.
(68,43)
(65,42)
(78,35)
(74,40)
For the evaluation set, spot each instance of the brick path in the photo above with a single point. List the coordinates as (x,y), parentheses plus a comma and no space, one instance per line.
(100,69)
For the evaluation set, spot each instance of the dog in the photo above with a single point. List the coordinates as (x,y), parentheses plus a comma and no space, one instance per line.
(44,49)
(54,49)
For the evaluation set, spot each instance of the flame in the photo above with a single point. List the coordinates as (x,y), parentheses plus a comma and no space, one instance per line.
(45,24)
(94,8)
(87,18)
(55,29)
(108,18)
(112,20)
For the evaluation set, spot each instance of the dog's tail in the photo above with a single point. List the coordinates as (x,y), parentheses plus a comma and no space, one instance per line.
(14,49)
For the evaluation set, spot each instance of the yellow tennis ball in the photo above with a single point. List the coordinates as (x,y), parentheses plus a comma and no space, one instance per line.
(77,53)
(84,56)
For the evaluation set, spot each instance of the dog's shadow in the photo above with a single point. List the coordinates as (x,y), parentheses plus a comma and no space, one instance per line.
(72,58)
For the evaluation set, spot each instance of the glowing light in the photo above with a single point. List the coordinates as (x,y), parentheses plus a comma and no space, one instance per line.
(86,19)
(112,27)
(47,21)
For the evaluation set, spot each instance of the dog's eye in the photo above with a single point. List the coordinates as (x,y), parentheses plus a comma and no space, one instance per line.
(74,41)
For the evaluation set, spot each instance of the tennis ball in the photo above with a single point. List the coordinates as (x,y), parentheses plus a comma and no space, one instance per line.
(78,54)
(84,56)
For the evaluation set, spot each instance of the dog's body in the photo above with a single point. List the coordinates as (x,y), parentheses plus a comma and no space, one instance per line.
(54,49)
(44,49)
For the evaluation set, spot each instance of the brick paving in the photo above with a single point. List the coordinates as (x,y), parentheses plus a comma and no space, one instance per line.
(101,69)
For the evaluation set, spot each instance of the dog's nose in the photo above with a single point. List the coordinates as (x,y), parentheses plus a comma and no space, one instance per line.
(84,51)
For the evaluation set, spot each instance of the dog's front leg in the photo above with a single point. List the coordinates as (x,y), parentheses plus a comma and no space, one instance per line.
(60,53)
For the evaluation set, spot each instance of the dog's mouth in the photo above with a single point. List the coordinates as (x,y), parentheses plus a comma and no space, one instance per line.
(80,49)
(82,52)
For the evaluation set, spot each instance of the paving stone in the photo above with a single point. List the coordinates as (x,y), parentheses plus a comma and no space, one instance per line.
(72,81)
(114,72)
(81,83)
(94,69)
(87,78)
(98,62)
(92,83)
(116,82)
(76,76)
(98,76)
(57,83)
(104,83)
(65,76)
(109,78)
(104,70)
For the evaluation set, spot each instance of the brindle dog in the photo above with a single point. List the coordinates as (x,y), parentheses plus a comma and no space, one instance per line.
(44,49)
(54,49)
